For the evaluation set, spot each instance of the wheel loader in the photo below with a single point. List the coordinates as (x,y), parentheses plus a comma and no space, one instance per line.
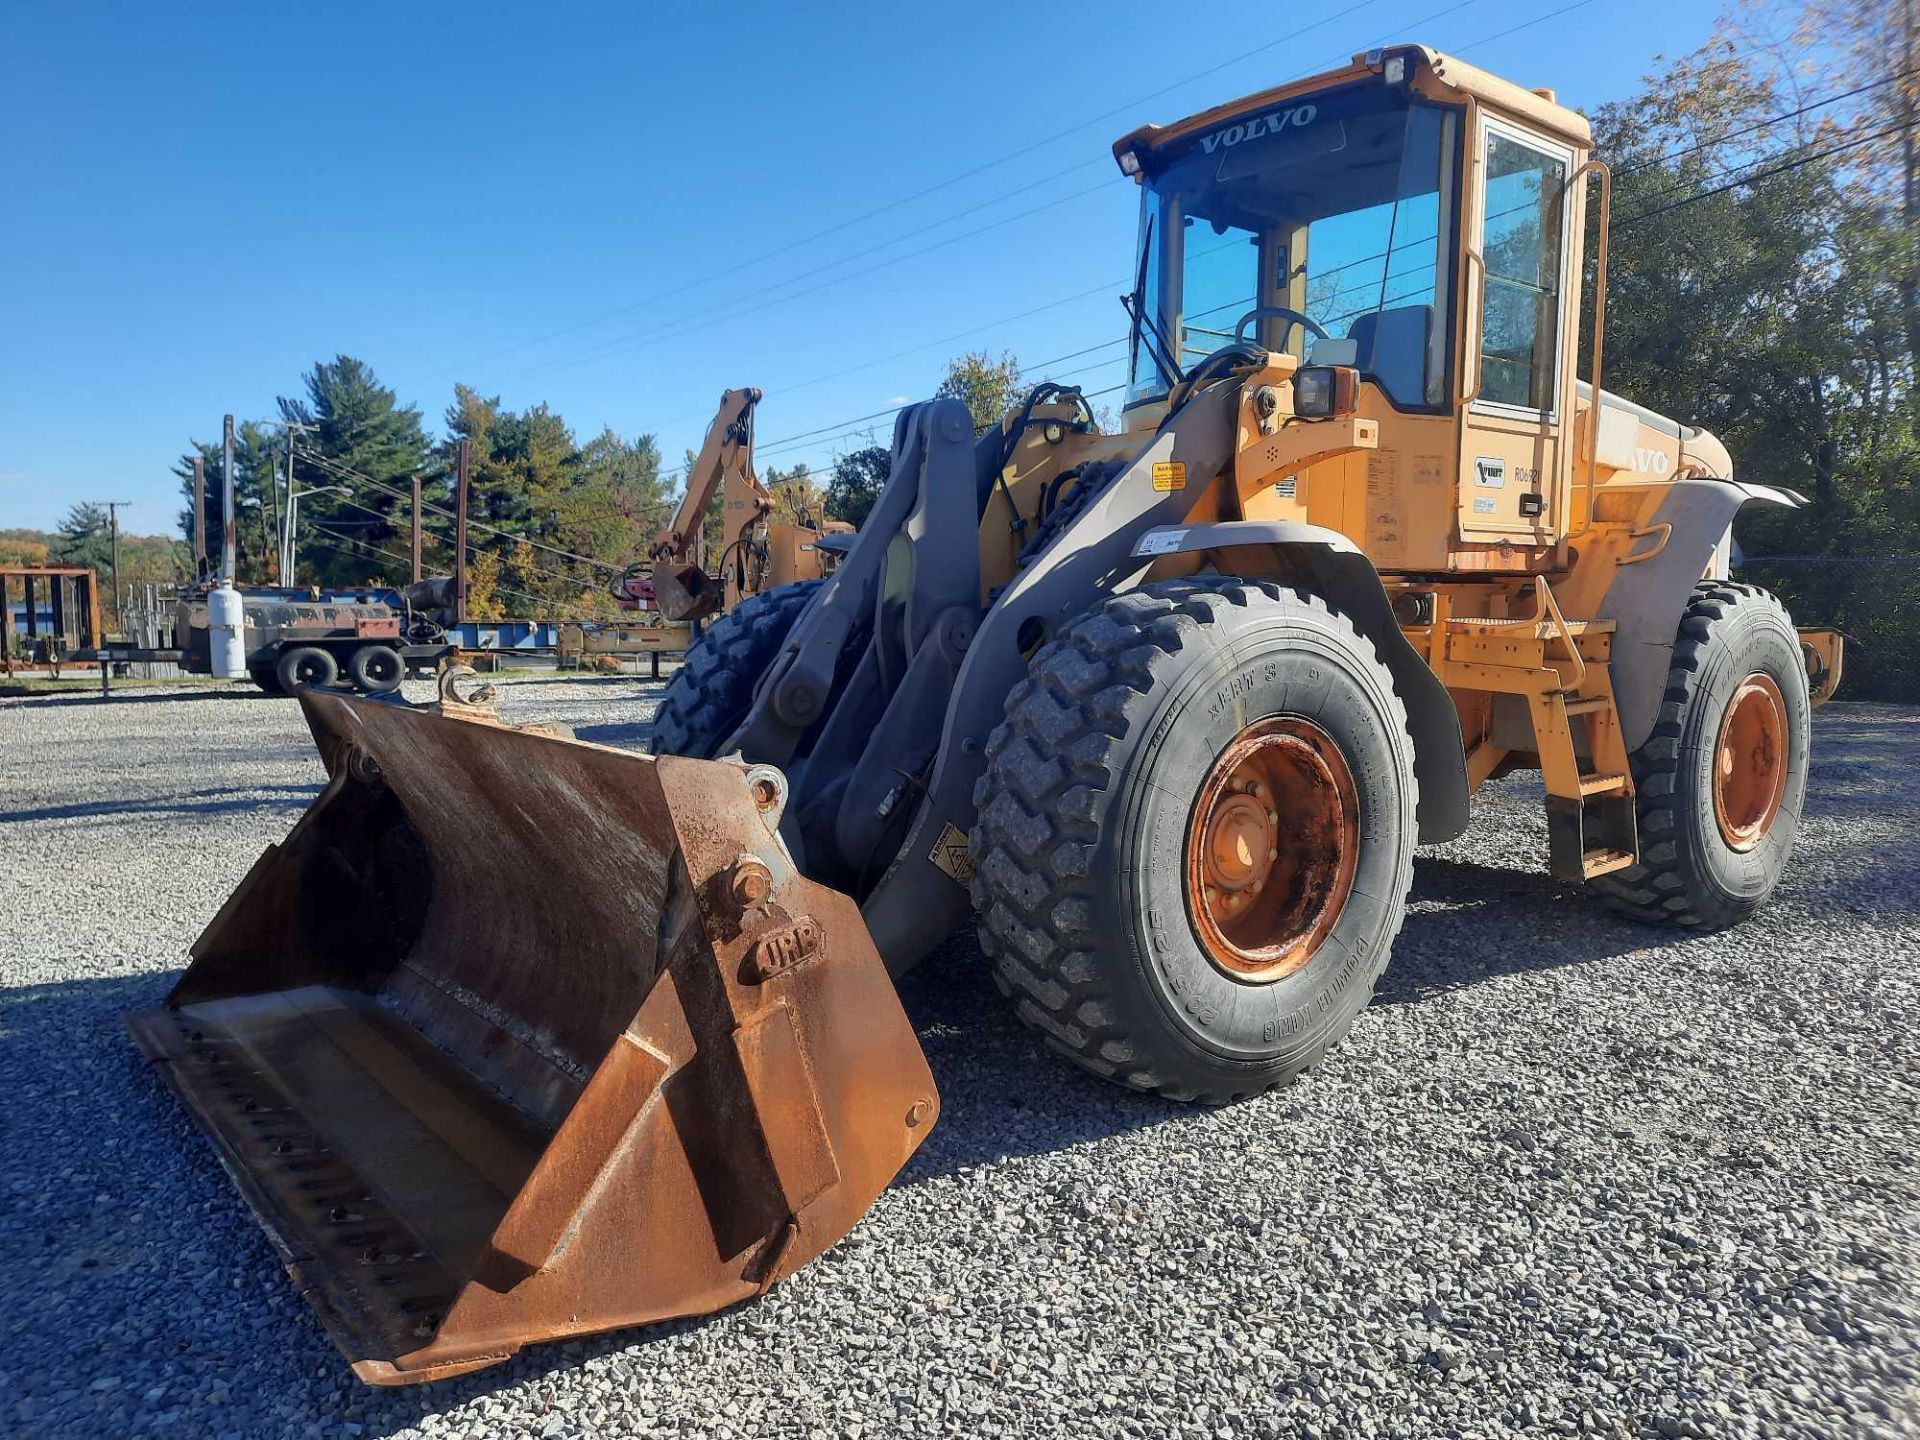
(515,1037)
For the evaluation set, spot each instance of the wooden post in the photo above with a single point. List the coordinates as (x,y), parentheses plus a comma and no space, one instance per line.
(416,529)
(460,532)
(199,519)
(229,531)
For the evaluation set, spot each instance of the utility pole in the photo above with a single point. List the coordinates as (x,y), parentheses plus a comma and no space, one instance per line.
(114,507)
(462,475)
(199,520)
(416,529)
(289,544)
(229,532)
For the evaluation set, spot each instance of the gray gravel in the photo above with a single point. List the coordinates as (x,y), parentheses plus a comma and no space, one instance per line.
(1567,1176)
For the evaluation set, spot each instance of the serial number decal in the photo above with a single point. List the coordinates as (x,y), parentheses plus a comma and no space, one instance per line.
(1160,542)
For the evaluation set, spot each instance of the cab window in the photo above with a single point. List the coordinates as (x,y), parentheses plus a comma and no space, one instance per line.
(1525,205)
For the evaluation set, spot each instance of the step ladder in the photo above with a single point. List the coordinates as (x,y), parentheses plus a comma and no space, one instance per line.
(1560,668)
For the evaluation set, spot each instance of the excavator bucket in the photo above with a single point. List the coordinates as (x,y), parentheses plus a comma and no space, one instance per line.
(686,592)
(515,1037)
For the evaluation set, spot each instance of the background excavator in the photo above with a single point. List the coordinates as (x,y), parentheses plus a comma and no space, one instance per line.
(516,1037)
(757,551)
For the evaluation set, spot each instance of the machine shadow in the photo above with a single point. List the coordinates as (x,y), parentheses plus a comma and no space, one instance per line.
(1003,1097)
(91,696)
(223,801)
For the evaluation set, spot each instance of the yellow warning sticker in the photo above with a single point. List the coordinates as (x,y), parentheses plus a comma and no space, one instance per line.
(952,854)
(1169,474)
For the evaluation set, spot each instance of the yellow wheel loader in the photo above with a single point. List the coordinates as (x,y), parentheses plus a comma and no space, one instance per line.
(516,1037)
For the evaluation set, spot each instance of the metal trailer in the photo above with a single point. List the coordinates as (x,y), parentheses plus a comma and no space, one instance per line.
(49,616)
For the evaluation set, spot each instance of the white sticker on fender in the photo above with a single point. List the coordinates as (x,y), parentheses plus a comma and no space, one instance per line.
(1160,542)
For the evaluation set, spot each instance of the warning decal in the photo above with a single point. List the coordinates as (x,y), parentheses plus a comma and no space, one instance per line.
(951,854)
(1169,474)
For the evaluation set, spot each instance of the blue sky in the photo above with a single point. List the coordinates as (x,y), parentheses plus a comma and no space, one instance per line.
(619,210)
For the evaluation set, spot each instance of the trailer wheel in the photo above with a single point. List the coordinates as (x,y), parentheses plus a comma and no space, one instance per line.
(710,692)
(1195,836)
(265,678)
(305,667)
(376,669)
(1720,781)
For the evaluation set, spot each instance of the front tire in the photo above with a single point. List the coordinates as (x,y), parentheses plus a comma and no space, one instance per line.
(1720,781)
(1195,836)
(709,694)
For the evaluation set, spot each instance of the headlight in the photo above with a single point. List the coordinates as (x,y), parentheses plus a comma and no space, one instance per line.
(1322,391)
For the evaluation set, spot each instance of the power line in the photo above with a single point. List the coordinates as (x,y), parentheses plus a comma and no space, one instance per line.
(1027,149)
(1805,109)
(1759,175)
(673,329)
(1761,125)
(334,467)
(405,560)
(687,325)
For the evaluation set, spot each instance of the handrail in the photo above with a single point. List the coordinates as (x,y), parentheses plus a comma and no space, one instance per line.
(1662,528)
(1551,607)
(1592,456)
(1474,261)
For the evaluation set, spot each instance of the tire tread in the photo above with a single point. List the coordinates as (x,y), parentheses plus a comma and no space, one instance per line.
(1040,805)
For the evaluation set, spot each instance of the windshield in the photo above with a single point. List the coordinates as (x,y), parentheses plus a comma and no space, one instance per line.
(1331,208)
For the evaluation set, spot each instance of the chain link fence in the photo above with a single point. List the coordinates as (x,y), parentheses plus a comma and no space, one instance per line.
(1874,600)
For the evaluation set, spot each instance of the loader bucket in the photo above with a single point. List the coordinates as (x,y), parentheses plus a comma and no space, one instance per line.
(516,1037)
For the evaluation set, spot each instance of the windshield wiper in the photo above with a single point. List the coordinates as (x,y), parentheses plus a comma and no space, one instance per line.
(1159,350)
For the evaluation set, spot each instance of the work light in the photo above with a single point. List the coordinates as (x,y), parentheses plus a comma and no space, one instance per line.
(1323,391)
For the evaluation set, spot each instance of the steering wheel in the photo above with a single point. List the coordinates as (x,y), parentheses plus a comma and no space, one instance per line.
(1294,317)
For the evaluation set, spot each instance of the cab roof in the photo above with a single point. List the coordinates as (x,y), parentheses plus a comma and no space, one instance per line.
(1436,75)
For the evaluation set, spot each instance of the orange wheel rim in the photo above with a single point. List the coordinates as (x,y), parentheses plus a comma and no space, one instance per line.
(1272,846)
(1750,762)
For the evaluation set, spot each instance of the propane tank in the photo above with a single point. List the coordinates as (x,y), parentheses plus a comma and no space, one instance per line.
(226,632)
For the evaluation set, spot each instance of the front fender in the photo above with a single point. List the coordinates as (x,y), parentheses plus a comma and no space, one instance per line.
(1334,568)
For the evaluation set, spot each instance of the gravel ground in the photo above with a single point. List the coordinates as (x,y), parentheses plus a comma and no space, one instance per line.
(1567,1176)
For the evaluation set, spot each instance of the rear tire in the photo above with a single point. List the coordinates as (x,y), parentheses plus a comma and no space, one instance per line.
(263,676)
(1098,804)
(1712,852)
(376,669)
(709,694)
(305,667)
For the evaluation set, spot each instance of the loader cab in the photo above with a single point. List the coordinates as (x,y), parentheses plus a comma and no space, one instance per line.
(1416,220)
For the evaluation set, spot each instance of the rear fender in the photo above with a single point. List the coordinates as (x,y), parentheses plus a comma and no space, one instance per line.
(1331,566)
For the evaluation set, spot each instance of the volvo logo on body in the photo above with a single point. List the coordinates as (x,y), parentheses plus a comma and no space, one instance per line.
(1272,123)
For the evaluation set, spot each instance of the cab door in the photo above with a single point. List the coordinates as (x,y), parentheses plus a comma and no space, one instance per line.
(1516,430)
